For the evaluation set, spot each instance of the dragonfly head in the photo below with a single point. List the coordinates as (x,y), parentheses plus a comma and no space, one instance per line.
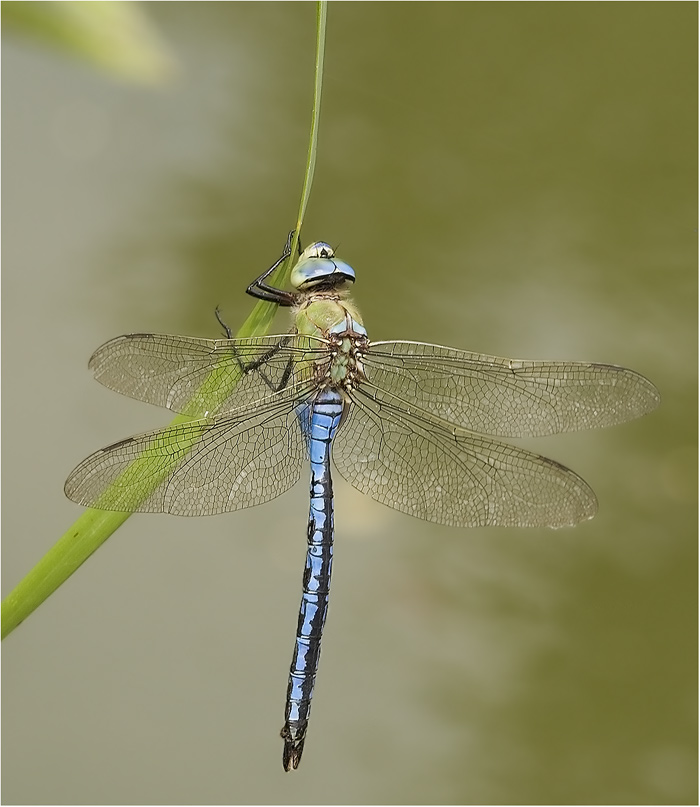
(318,268)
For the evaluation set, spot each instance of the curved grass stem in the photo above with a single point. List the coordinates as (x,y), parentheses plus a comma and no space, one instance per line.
(94,526)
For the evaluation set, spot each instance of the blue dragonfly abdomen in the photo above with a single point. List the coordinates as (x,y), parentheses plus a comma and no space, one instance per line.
(319,420)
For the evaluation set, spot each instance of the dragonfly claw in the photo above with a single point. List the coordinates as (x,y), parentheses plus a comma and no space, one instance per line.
(293,747)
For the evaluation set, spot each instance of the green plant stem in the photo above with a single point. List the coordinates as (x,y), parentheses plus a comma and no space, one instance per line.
(93,527)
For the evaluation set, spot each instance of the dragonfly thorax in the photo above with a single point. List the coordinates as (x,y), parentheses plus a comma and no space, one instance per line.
(345,368)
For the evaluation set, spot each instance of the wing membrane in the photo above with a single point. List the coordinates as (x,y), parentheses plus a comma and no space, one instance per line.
(417,465)
(198,468)
(508,397)
(203,377)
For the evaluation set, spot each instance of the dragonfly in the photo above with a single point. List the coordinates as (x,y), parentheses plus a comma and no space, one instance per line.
(419,427)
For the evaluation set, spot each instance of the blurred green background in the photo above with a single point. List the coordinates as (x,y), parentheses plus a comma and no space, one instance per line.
(512,178)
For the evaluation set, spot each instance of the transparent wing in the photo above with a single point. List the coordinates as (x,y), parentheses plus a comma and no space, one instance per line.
(508,397)
(418,465)
(203,377)
(198,468)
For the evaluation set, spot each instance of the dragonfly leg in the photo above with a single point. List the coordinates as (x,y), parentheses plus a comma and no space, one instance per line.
(283,381)
(258,288)
(217,314)
(258,364)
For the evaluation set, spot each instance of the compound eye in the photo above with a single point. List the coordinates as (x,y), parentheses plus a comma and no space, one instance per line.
(320,249)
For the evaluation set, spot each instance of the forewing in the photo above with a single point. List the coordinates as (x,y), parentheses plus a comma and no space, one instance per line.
(508,397)
(198,468)
(203,377)
(418,466)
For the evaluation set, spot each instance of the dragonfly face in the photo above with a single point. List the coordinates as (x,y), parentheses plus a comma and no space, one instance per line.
(318,268)
(413,425)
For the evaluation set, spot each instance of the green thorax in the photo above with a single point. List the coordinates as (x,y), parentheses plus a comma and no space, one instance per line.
(336,319)
(320,315)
